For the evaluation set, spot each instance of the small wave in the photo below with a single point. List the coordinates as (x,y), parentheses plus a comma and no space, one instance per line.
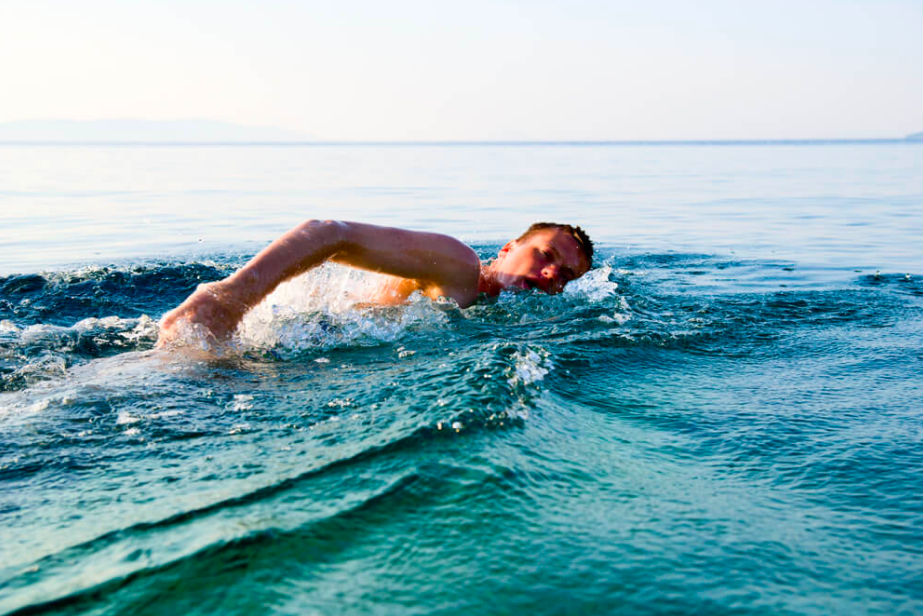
(65,297)
(189,533)
(40,352)
(594,286)
(905,284)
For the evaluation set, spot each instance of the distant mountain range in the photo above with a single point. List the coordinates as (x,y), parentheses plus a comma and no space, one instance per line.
(915,136)
(141,131)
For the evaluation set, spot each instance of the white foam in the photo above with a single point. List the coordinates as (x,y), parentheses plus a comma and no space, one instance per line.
(239,428)
(126,330)
(126,418)
(594,286)
(620,317)
(242,402)
(531,365)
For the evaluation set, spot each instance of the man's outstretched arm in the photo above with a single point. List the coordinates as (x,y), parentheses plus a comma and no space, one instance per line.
(433,260)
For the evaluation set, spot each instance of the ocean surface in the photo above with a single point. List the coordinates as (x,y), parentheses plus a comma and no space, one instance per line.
(724,417)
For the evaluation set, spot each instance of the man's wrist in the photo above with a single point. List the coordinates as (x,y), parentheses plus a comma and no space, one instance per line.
(235,291)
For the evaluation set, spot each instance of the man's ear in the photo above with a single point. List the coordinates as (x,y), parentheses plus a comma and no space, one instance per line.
(506,248)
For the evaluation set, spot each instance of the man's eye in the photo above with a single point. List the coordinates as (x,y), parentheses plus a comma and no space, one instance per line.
(546,254)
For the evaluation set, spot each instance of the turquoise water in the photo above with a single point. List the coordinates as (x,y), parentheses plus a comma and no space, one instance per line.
(723,417)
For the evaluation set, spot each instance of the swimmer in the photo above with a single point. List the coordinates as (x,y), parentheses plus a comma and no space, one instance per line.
(546,257)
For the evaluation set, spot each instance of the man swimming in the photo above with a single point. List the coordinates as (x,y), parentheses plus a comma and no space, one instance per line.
(546,257)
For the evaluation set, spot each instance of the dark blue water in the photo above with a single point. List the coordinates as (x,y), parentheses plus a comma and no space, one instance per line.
(682,431)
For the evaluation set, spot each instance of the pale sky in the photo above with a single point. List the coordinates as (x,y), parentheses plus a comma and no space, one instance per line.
(474,70)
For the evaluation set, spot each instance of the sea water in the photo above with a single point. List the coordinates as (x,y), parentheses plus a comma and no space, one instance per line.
(724,416)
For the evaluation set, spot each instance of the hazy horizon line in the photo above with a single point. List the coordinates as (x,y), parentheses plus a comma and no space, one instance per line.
(205,131)
(442,142)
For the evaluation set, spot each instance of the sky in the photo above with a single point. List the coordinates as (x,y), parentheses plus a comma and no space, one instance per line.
(474,70)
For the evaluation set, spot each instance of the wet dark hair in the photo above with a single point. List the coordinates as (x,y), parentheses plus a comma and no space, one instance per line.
(583,240)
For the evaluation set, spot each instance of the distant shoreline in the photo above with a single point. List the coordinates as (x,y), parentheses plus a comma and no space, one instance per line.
(718,142)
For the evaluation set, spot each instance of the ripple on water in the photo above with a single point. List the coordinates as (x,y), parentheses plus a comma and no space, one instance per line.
(724,444)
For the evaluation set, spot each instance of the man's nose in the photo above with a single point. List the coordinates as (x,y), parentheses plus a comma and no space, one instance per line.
(551,274)
(550,271)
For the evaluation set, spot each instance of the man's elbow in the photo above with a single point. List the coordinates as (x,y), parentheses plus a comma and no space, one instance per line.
(313,225)
(331,234)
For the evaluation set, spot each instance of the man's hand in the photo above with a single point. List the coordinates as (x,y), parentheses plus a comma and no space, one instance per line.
(212,306)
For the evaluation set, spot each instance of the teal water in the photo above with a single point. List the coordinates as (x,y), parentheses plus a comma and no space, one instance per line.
(723,417)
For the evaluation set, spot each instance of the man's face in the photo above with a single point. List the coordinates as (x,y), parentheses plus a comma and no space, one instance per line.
(546,260)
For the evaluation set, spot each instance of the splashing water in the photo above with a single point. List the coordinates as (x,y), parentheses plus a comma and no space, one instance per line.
(327,308)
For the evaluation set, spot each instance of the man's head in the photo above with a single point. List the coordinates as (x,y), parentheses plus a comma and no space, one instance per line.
(546,257)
